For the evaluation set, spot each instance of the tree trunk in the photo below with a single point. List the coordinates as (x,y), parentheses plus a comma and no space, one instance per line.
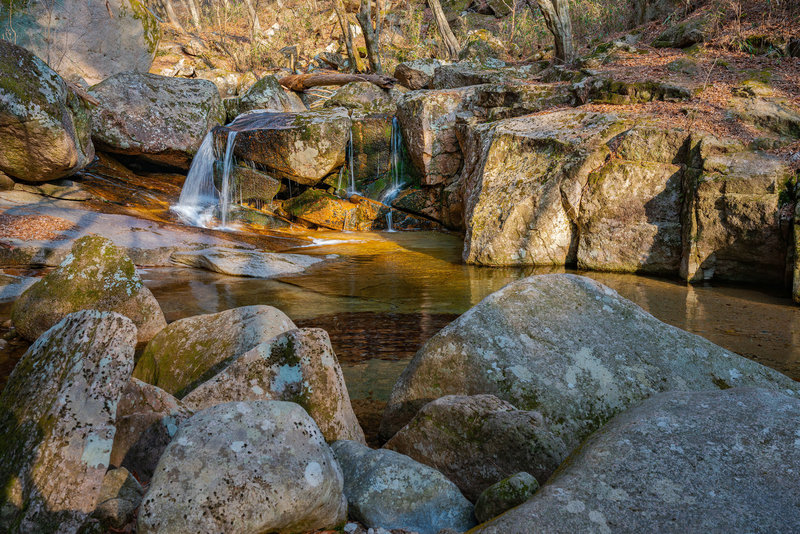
(556,17)
(301,82)
(255,24)
(172,16)
(194,9)
(448,38)
(371,36)
(352,53)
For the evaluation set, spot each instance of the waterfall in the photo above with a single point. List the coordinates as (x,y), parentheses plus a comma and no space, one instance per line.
(352,189)
(225,197)
(396,172)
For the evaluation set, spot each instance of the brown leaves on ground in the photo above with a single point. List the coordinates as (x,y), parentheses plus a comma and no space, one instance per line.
(33,227)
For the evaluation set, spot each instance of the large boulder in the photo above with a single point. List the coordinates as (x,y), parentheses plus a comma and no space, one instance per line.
(685,33)
(388,490)
(265,95)
(160,119)
(570,349)
(466,73)
(246,467)
(364,97)
(481,45)
(477,441)
(297,366)
(45,129)
(190,351)
(417,74)
(95,275)
(57,424)
(303,147)
(147,419)
(681,461)
(85,39)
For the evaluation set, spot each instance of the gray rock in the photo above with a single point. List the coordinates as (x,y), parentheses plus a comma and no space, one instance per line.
(147,419)
(417,74)
(57,424)
(265,95)
(160,119)
(571,349)
(190,351)
(389,490)
(296,366)
(11,287)
(120,496)
(248,263)
(45,129)
(505,495)
(364,97)
(85,39)
(685,33)
(479,440)
(246,467)
(680,462)
(96,275)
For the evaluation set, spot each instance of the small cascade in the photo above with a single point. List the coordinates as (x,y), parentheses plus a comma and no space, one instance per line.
(351,190)
(396,171)
(227,195)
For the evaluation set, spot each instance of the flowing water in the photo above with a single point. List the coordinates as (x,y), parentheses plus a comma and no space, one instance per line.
(396,171)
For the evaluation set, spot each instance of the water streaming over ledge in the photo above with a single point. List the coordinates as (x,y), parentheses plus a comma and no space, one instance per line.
(396,171)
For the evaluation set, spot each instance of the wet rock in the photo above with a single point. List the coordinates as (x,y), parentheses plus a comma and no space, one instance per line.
(303,147)
(707,460)
(365,97)
(90,40)
(247,183)
(389,490)
(57,423)
(157,118)
(479,440)
(426,202)
(11,287)
(481,45)
(246,467)
(266,95)
(297,366)
(505,495)
(45,129)
(95,275)
(245,262)
(570,349)
(192,350)
(732,225)
(417,74)
(147,419)
(120,496)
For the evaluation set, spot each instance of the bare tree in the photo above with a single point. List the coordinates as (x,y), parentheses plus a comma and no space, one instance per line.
(448,38)
(255,24)
(352,53)
(193,7)
(371,35)
(556,17)
(172,16)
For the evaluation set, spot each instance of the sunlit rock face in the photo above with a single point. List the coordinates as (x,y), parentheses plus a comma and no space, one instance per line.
(45,129)
(58,421)
(704,460)
(570,349)
(89,40)
(189,351)
(94,275)
(297,366)
(162,120)
(247,467)
(386,489)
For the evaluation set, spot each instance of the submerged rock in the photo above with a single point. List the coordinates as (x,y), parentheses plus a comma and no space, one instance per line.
(160,119)
(297,366)
(85,39)
(58,421)
(147,419)
(389,490)
(45,129)
(570,349)
(504,495)
(95,275)
(479,440)
(246,467)
(688,461)
(249,263)
(192,350)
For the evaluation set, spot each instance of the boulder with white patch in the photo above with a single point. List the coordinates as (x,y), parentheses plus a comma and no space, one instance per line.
(57,416)
(297,366)
(246,467)
(570,349)
(386,489)
(682,461)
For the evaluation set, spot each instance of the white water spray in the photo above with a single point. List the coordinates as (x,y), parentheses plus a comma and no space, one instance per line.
(396,172)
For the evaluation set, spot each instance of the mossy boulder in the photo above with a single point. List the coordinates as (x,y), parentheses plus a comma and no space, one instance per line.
(190,351)
(775,115)
(297,366)
(45,129)
(266,94)
(684,34)
(505,495)
(159,119)
(85,39)
(616,92)
(58,421)
(364,97)
(95,275)
(482,45)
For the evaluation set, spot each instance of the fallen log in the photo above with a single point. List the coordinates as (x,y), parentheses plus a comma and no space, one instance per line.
(301,82)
